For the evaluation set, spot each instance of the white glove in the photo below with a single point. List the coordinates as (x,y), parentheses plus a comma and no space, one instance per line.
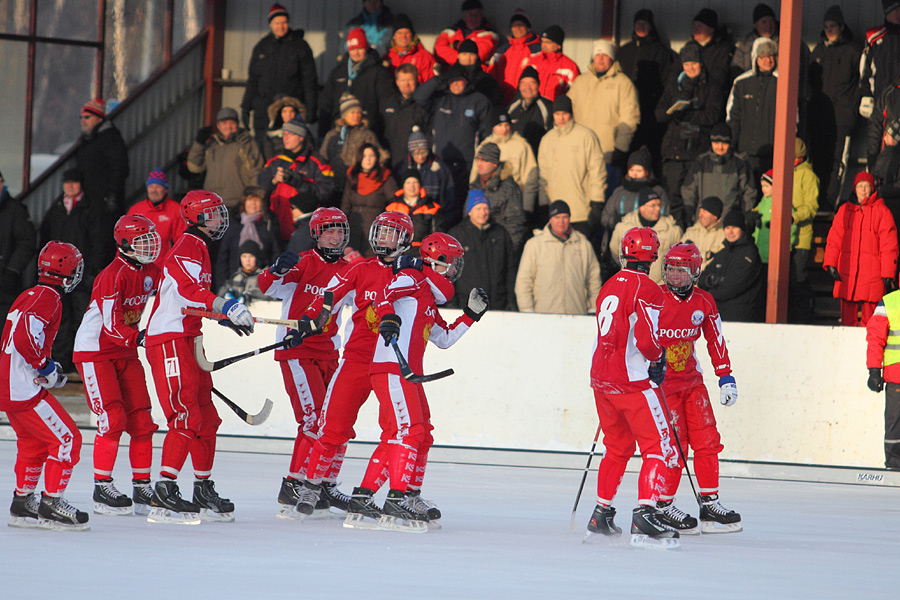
(51,376)
(728,393)
(478,304)
(238,314)
(866,106)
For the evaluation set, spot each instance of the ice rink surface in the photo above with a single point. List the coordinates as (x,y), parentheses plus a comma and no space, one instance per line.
(505,535)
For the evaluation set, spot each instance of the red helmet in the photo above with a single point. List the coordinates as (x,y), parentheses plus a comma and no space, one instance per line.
(681,267)
(205,209)
(334,221)
(440,249)
(137,238)
(60,264)
(391,234)
(639,244)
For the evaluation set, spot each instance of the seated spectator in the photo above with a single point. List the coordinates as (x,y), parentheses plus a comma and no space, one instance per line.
(559,272)
(229,156)
(401,113)
(648,214)
(298,170)
(242,285)
(762,218)
(510,58)
(861,252)
(557,71)
(370,188)
(707,233)
(436,176)
(284,110)
(721,173)
(531,114)
(302,207)
(18,245)
(412,199)
(163,211)
(472,26)
(407,49)
(490,263)
(341,145)
(734,277)
(624,199)
(253,223)
(467,58)
(377,21)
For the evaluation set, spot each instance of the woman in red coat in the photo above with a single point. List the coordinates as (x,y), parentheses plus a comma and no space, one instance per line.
(861,252)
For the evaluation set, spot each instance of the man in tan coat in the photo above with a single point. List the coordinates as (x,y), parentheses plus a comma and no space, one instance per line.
(559,272)
(707,233)
(648,214)
(516,154)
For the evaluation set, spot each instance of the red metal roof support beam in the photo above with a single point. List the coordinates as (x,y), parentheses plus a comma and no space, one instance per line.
(783,163)
(215,52)
(101,52)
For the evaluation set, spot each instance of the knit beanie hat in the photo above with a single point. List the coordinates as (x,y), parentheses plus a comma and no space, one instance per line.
(734,218)
(890,5)
(562,104)
(644,14)
(157,177)
(708,17)
(296,126)
(357,39)
(762,10)
(690,52)
(641,157)
(402,21)
(555,34)
(475,198)
(95,107)
(559,207)
(767,176)
(520,15)
(226,113)
(471,5)
(713,205)
(251,247)
(604,47)
(277,10)
(864,176)
(417,140)
(467,47)
(835,14)
(407,173)
(646,194)
(530,72)
(348,103)
(490,152)
(720,132)
(498,115)
(73,175)
(456,72)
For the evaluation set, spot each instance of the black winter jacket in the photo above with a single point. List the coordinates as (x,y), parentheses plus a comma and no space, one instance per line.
(505,198)
(399,116)
(687,131)
(489,265)
(834,80)
(459,122)
(751,113)
(18,245)
(103,160)
(372,86)
(734,277)
(646,61)
(531,121)
(86,227)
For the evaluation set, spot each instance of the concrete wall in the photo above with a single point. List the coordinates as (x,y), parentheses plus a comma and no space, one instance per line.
(522,382)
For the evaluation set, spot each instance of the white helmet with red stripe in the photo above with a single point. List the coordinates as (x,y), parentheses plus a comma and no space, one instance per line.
(60,264)
(205,209)
(137,238)
(443,250)
(330,230)
(391,234)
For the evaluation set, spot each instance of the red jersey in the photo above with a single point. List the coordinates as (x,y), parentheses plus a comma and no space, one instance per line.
(449,39)
(628,309)
(413,296)
(185,284)
(416,55)
(680,325)
(297,289)
(507,65)
(109,328)
(557,72)
(168,220)
(28,336)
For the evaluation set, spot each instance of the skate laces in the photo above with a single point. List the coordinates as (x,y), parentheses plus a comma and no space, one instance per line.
(675,513)
(716,507)
(331,489)
(61,505)
(307,495)
(419,504)
(108,488)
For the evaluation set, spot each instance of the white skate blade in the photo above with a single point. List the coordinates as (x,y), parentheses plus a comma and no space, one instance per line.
(286,511)
(390,523)
(158,514)
(359,521)
(591,537)
(642,540)
(434,524)
(57,526)
(23,522)
(141,509)
(716,527)
(105,509)
(691,531)
(212,516)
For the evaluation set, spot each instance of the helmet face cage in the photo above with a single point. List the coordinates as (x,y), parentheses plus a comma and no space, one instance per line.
(215,219)
(60,264)
(331,231)
(639,244)
(681,267)
(146,247)
(390,234)
(137,238)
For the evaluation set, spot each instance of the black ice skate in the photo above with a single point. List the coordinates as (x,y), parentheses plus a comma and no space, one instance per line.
(55,512)
(23,512)
(212,506)
(602,522)
(715,518)
(648,532)
(398,514)
(141,495)
(167,505)
(108,500)
(337,499)
(426,507)
(308,500)
(362,512)
(674,518)
(287,497)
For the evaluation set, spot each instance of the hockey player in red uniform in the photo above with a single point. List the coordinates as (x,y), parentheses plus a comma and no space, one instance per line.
(45,431)
(183,388)
(626,371)
(106,357)
(307,369)
(687,312)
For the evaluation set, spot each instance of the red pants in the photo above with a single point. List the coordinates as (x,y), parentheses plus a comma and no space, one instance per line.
(117,394)
(185,393)
(46,434)
(305,381)
(626,419)
(856,314)
(695,424)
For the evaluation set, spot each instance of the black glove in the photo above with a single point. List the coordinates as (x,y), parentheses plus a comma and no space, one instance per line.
(292,178)
(284,263)
(619,158)
(834,273)
(477,305)
(876,381)
(657,371)
(308,327)
(238,329)
(407,262)
(293,338)
(888,285)
(755,219)
(389,328)
(204,133)
(140,338)
(245,117)
(595,216)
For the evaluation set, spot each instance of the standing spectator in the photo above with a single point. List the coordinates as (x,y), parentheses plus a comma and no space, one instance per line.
(751,107)
(648,214)
(491,263)
(102,158)
(762,216)
(302,208)
(707,233)
(370,188)
(887,164)
(557,71)
(715,50)
(571,166)
(511,58)
(624,199)
(691,104)
(861,252)
(406,48)
(805,204)
(882,360)
(530,113)
(228,154)
(255,224)
(163,211)
(880,65)
(18,245)
(516,156)
(411,199)
(467,58)
(647,61)
(764,25)
(401,113)
(718,172)
(377,21)
(472,26)
(495,179)
(559,272)
(281,63)
(834,84)
(734,277)
(357,72)
(284,110)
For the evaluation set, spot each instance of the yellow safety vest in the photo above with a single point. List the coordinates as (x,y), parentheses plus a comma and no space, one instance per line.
(892,347)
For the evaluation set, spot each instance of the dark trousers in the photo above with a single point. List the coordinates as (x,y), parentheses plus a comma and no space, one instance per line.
(673,174)
(892,425)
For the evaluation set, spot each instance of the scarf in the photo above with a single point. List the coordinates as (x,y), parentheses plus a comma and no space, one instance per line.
(248,229)
(367,183)
(71,202)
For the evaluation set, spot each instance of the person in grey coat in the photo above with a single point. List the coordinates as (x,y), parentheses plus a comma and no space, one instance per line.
(502,192)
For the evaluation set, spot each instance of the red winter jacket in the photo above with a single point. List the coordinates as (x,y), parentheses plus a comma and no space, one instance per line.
(416,55)
(449,40)
(862,244)
(509,62)
(557,72)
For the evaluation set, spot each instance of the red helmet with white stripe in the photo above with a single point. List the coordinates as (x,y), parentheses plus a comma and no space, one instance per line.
(205,209)
(681,267)
(60,264)
(330,230)
(137,238)
(443,250)
(391,234)
(639,244)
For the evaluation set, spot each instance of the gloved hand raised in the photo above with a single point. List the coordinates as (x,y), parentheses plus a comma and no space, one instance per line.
(876,381)
(407,262)
(477,305)
(728,393)
(389,328)
(284,263)
(204,133)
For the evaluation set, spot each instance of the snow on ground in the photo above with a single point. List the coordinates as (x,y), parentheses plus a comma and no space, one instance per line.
(505,535)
